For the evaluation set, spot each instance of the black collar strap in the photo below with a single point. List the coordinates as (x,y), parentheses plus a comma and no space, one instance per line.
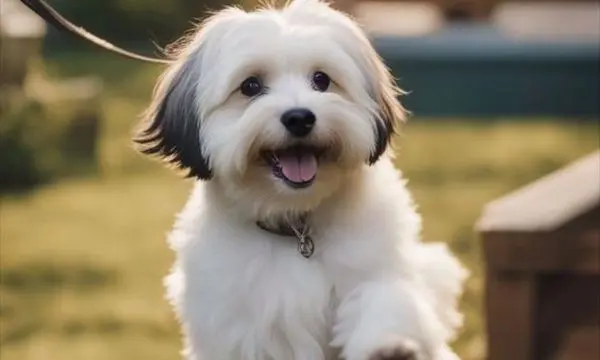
(281,229)
(306,246)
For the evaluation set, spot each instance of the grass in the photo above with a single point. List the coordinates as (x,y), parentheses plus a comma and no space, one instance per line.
(82,260)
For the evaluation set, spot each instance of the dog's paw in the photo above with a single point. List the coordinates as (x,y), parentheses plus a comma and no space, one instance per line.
(398,350)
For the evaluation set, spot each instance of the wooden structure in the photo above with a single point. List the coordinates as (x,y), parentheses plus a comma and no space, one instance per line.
(538,66)
(455,10)
(21,35)
(542,254)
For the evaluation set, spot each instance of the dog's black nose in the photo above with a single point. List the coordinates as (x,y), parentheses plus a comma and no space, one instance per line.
(299,122)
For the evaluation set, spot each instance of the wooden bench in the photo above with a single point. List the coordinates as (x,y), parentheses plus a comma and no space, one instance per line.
(542,257)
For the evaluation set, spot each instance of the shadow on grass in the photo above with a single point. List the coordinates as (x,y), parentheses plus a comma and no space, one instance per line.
(45,277)
(72,328)
(19,333)
(27,290)
(24,291)
(111,326)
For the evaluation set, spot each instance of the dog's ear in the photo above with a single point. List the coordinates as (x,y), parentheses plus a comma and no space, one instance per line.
(171,124)
(389,113)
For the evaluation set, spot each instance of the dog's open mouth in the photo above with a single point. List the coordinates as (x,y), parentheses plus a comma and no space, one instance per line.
(297,165)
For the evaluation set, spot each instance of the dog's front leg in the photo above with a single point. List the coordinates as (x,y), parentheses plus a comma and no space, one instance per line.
(388,320)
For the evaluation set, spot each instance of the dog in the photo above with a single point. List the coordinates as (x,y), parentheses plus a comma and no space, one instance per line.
(300,240)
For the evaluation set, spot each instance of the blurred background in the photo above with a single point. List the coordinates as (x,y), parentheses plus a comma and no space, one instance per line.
(501,93)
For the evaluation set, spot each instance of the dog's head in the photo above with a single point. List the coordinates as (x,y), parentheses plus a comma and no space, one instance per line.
(282,104)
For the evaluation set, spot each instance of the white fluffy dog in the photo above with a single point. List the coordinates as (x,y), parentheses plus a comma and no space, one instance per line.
(300,240)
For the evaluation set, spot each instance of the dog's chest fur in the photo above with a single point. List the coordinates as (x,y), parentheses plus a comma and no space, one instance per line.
(273,304)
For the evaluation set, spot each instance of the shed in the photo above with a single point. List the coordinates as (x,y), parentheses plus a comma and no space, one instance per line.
(541,249)
(540,57)
(21,35)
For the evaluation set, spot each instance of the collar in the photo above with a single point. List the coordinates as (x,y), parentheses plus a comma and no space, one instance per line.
(300,231)
(281,229)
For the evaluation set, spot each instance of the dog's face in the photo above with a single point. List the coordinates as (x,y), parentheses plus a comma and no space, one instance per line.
(278,105)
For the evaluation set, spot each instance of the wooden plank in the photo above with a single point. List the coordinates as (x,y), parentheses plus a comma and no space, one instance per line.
(510,311)
(548,203)
(580,343)
(568,320)
(542,252)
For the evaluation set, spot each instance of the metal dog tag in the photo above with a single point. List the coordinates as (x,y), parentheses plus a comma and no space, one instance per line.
(306,246)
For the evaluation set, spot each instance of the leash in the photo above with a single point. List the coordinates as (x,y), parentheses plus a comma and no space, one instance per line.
(54,18)
(306,245)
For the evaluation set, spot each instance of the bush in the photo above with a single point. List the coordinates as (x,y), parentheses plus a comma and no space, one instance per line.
(39,144)
(138,21)
(19,167)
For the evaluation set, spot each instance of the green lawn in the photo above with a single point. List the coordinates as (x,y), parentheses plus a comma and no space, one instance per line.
(82,260)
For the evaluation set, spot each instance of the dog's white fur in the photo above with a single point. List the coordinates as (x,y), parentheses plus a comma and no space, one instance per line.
(243,293)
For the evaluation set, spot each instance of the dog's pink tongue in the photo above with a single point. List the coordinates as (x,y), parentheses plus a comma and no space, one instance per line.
(298,167)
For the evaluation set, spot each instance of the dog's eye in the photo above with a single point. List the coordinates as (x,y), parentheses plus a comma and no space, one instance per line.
(252,86)
(320,81)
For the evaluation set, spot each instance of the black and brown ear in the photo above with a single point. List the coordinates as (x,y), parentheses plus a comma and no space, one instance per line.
(390,112)
(171,124)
